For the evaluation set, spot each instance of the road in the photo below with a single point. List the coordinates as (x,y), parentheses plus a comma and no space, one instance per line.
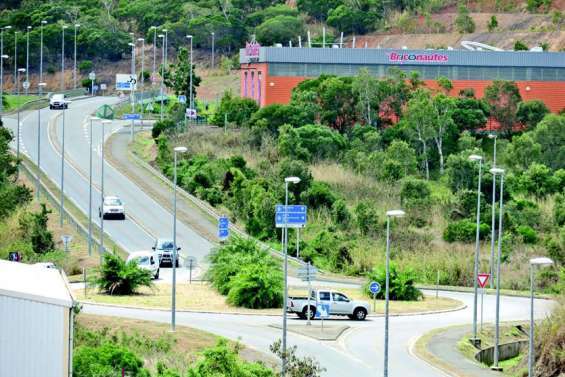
(359,351)
(146,219)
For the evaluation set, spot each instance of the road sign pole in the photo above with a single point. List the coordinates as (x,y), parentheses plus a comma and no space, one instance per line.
(309,292)
(102,191)
(374,302)
(387,294)
(298,243)
(482,307)
(285,298)
(61,210)
(90,191)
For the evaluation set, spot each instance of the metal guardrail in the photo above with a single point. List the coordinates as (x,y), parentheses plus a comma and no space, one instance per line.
(205,207)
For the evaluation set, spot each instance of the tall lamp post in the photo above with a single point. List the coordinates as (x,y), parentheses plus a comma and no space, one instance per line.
(2,57)
(16,78)
(493,216)
(495,172)
(92,119)
(104,123)
(389,214)
(27,60)
(43,22)
(162,36)
(38,177)
(62,200)
(132,92)
(75,59)
(63,28)
(479,159)
(177,150)
(213,48)
(142,40)
(287,180)
(154,53)
(534,262)
(20,70)
(191,101)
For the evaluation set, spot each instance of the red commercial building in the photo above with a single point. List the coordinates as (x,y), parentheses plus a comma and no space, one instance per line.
(268,74)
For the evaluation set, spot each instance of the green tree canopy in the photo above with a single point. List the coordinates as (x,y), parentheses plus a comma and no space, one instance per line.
(280,29)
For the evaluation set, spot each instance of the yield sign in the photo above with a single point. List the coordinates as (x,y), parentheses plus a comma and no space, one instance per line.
(482,279)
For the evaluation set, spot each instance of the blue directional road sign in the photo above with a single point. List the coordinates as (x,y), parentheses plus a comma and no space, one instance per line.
(182,99)
(297,216)
(131,117)
(323,311)
(223,228)
(374,287)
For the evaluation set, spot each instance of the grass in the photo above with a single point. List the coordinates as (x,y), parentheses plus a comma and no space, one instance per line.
(202,297)
(14,102)
(178,350)
(144,147)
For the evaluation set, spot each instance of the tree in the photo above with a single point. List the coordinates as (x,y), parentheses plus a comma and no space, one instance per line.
(280,29)
(522,152)
(550,134)
(177,77)
(492,24)
(520,46)
(401,283)
(421,118)
(444,107)
(365,88)
(115,276)
(464,22)
(40,236)
(296,366)
(445,84)
(235,110)
(356,17)
(317,9)
(295,168)
(530,113)
(470,113)
(400,152)
(503,98)
(12,195)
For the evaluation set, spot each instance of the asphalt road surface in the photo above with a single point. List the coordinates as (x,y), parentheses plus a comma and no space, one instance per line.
(359,352)
(146,219)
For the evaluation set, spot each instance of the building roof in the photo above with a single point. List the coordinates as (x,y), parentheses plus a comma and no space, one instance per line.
(35,283)
(369,56)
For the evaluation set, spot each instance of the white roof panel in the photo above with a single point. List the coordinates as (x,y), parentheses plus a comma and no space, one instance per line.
(36,283)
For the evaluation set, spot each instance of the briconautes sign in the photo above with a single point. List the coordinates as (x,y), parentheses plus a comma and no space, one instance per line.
(422,58)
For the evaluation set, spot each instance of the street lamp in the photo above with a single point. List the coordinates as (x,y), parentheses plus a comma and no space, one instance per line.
(495,172)
(478,158)
(154,52)
(16,61)
(162,73)
(175,257)
(92,119)
(62,165)
(142,40)
(190,80)
(104,123)
(20,70)
(2,57)
(38,179)
(287,180)
(27,60)
(213,47)
(43,22)
(63,28)
(75,59)
(389,214)
(542,261)
(493,215)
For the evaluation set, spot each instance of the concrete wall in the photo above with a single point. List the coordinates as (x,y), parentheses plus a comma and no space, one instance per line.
(505,351)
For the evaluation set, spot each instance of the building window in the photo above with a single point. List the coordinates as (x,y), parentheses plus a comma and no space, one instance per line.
(259,88)
(245,84)
(252,84)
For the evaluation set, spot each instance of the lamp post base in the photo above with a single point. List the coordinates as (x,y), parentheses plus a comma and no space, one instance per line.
(476,342)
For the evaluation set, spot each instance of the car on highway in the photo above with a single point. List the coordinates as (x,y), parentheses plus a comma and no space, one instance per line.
(339,305)
(58,101)
(164,248)
(112,207)
(146,260)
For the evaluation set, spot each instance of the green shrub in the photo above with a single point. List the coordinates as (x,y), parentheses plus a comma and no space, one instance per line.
(280,29)
(464,231)
(415,193)
(367,218)
(107,359)
(522,212)
(520,46)
(319,195)
(238,110)
(256,286)
(34,227)
(559,209)
(310,141)
(295,168)
(464,22)
(401,283)
(340,213)
(115,276)
(528,234)
(85,66)
(162,126)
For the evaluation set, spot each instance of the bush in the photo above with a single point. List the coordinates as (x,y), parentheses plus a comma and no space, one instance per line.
(85,66)
(115,276)
(528,234)
(464,231)
(464,22)
(319,195)
(161,126)
(415,193)
(34,227)
(107,359)
(256,286)
(295,168)
(520,46)
(238,110)
(401,283)
(340,213)
(530,113)
(367,218)
(279,29)
(522,212)
(559,209)
(310,141)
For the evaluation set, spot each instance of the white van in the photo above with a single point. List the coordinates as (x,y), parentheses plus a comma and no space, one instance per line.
(147,261)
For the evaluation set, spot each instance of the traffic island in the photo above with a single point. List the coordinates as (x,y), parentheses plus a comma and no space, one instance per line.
(327,333)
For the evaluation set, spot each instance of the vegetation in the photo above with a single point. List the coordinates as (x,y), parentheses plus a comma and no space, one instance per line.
(249,276)
(401,283)
(115,276)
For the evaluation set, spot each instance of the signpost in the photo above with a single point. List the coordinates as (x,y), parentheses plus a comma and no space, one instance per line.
(295,214)
(323,312)
(191,113)
(92,77)
(308,274)
(125,82)
(223,228)
(133,118)
(105,112)
(182,99)
(26,85)
(66,241)
(482,280)
(191,263)
(375,288)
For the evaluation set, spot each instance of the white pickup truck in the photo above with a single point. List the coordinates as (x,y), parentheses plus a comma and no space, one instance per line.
(339,303)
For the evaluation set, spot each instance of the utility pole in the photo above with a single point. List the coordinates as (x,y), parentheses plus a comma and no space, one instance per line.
(162,36)
(43,22)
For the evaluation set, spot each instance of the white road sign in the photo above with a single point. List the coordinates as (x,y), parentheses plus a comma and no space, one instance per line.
(125,82)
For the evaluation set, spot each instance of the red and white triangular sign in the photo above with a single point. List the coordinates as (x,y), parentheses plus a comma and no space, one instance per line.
(482,279)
